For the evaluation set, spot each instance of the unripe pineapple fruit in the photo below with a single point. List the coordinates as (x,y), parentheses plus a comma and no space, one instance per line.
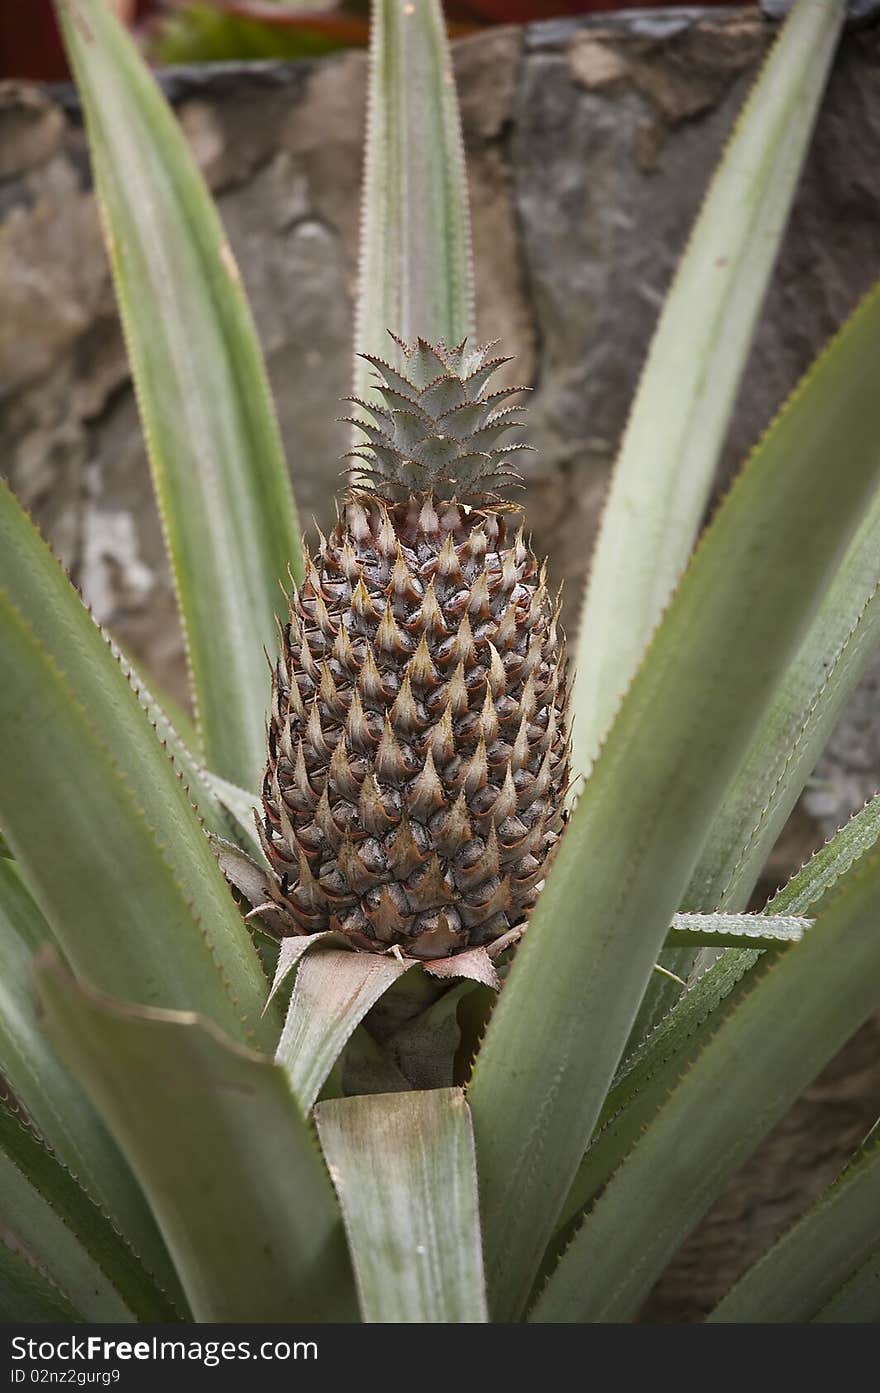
(418,754)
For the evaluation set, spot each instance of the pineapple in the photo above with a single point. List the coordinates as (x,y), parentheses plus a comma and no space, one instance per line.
(418,752)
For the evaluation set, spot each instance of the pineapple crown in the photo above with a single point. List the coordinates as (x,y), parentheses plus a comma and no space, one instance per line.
(434,427)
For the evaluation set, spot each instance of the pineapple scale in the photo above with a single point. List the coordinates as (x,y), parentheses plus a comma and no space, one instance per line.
(418,753)
(417,749)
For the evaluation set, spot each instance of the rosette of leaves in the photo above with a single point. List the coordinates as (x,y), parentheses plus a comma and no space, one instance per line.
(455,868)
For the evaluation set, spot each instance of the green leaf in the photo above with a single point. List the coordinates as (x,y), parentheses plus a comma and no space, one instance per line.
(415,269)
(688,934)
(812,888)
(817,1256)
(858,1302)
(809,698)
(800,1006)
(240,807)
(736,930)
(210,427)
(198,31)
(826,669)
(333,991)
(652,1071)
(435,1046)
(679,419)
(367,1068)
(96,815)
(403,1166)
(643,1086)
(27,1295)
(217,1141)
(634,839)
(51,1097)
(203,789)
(63,1233)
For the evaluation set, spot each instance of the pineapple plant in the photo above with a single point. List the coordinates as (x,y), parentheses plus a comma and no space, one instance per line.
(419,1065)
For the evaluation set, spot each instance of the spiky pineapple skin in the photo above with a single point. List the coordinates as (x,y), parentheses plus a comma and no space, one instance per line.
(418,754)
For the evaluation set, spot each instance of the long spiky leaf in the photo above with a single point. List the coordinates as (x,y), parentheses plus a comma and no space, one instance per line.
(52,1099)
(212,437)
(650,1072)
(636,834)
(818,1255)
(680,414)
(44,1211)
(800,1006)
(415,270)
(96,814)
(826,669)
(217,1140)
(403,1165)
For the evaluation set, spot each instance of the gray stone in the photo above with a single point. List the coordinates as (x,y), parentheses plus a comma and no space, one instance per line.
(857,11)
(31,128)
(847,774)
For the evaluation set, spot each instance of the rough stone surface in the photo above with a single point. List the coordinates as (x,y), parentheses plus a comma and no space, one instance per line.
(857,11)
(589,146)
(847,774)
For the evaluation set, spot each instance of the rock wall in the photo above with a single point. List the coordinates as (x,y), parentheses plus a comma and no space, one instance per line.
(589,146)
